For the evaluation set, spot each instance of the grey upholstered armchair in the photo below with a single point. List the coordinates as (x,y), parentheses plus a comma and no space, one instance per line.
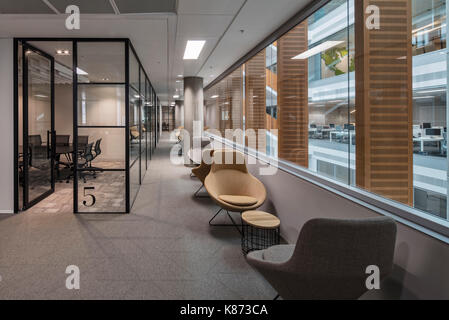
(330,258)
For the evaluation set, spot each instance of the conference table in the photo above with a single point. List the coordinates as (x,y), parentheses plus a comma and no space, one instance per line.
(66,150)
(60,150)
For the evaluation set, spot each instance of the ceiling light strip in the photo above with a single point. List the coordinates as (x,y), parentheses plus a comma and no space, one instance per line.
(318,49)
(114,6)
(52,7)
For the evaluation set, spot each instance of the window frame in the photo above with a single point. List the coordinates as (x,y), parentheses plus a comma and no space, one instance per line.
(414,218)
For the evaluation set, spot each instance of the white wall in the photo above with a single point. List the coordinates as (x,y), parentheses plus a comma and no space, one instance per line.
(63,109)
(6,126)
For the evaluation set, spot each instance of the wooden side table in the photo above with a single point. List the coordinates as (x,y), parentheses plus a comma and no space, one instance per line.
(260,230)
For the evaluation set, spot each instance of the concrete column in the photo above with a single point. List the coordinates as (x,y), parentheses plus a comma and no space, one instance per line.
(179,114)
(193,105)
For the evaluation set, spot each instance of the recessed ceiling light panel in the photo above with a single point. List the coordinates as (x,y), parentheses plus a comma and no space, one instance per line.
(193,49)
(63,52)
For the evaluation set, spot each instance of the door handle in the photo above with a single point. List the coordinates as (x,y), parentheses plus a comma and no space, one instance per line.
(48,144)
(51,136)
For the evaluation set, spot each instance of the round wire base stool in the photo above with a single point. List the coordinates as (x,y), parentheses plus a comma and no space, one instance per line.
(260,230)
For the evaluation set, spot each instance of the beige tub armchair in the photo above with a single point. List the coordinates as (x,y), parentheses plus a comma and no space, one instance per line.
(231,186)
(203,170)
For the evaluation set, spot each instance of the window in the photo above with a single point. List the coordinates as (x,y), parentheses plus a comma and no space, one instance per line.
(364,107)
(330,58)
(224,103)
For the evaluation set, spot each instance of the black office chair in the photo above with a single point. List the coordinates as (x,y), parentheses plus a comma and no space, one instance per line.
(325,133)
(87,156)
(97,148)
(97,151)
(318,134)
(35,148)
(35,140)
(82,142)
(444,146)
(62,140)
(21,169)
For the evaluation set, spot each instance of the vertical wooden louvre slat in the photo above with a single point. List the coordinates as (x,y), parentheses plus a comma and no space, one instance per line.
(236,98)
(384,156)
(293,109)
(255,98)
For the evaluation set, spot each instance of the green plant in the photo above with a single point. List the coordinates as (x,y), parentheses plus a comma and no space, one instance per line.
(352,65)
(333,57)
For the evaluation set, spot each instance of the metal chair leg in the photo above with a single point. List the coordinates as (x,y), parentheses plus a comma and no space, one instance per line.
(224,225)
(196,194)
(210,221)
(233,222)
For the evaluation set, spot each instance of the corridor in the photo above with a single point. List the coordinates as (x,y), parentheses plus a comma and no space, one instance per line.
(164,249)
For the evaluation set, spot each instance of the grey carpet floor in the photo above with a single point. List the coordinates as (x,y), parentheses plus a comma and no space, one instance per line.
(165,249)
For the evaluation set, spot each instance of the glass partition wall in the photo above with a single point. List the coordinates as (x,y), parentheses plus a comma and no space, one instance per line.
(113,135)
(101,86)
(349,102)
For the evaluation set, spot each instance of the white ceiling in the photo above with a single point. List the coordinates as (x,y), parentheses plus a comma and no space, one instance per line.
(159,35)
(88,6)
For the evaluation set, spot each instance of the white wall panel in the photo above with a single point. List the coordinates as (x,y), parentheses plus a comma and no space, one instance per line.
(6,126)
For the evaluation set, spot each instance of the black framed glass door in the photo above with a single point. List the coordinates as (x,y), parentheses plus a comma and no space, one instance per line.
(36,158)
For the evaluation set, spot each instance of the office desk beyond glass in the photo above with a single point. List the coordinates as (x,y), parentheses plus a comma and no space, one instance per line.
(423,140)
